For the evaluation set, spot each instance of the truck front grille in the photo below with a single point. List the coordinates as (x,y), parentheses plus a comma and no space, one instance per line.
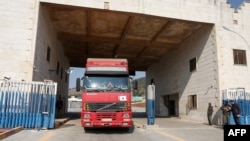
(100,116)
(115,106)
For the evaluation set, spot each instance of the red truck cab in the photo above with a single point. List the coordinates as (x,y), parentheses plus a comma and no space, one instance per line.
(106,96)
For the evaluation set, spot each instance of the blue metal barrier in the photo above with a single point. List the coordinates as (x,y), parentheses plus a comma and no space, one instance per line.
(151,104)
(242,98)
(27,104)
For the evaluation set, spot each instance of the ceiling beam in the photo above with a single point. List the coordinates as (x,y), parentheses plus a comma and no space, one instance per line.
(66,37)
(126,28)
(167,24)
(123,36)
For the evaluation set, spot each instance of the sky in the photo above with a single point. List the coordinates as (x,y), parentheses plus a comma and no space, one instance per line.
(236,3)
(76,73)
(79,72)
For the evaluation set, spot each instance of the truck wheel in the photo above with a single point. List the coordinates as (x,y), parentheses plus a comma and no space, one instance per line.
(86,129)
(126,129)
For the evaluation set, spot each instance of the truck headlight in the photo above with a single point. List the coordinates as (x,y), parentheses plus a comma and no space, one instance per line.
(86,106)
(86,116)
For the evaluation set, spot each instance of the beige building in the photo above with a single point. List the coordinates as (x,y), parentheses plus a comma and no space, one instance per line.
(203,62)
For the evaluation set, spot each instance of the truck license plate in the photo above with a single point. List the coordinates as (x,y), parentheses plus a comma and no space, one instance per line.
(106,119)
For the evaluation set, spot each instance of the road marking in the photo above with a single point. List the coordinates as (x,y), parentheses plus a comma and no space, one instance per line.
(169,135)
(47,136)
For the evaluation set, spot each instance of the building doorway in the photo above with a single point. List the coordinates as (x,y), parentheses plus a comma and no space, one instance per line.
(171,102)
(171,107)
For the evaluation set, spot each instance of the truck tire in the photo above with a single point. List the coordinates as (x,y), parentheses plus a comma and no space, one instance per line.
(126,129)
(86,129)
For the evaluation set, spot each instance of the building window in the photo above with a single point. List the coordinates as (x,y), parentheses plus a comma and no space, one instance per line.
(48,54)
(57,68)
(192,64)
(235,22)
(192,101)
(240,57)
(152,82)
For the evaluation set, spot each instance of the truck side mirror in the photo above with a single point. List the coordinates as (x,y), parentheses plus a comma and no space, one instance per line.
(135,84)
(78,84)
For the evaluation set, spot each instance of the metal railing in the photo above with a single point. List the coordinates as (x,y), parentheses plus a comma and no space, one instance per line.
(27,104)
(242,98)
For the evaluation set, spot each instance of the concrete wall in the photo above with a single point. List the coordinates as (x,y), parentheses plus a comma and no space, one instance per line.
(25,34)
(46,37)
(234,36)
(215,66)
(16,39)
(174,74)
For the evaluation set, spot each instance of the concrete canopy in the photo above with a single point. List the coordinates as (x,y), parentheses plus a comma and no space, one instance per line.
(101,33)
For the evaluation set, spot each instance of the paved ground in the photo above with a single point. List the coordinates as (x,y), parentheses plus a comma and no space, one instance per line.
(182,130)
(164,129)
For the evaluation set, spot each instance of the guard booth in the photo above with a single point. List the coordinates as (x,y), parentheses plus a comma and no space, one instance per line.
(27,104)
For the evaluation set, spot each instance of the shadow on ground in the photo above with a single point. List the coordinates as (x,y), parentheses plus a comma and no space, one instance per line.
(77,115)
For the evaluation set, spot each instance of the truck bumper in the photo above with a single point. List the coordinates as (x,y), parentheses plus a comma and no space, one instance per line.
(100,124)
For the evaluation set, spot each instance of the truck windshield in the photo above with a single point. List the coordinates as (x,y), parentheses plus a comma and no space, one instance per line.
(111,83)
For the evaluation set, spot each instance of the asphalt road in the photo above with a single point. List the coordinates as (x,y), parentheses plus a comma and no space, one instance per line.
(165,129)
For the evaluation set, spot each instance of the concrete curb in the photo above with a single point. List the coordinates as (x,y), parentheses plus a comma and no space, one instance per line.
(60,123)
(8,132)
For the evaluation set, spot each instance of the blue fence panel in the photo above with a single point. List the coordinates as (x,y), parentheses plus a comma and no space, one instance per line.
(242,98)
(27,104)
(243,120)
(52,111)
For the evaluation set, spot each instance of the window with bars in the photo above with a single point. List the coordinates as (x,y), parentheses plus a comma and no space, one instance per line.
(239,57)
(192,101)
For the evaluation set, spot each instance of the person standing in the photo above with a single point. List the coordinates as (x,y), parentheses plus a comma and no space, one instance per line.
(59,107)
(209,113)
(226,113)
(235,109)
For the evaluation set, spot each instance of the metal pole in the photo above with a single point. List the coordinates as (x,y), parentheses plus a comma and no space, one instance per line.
(151,104)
